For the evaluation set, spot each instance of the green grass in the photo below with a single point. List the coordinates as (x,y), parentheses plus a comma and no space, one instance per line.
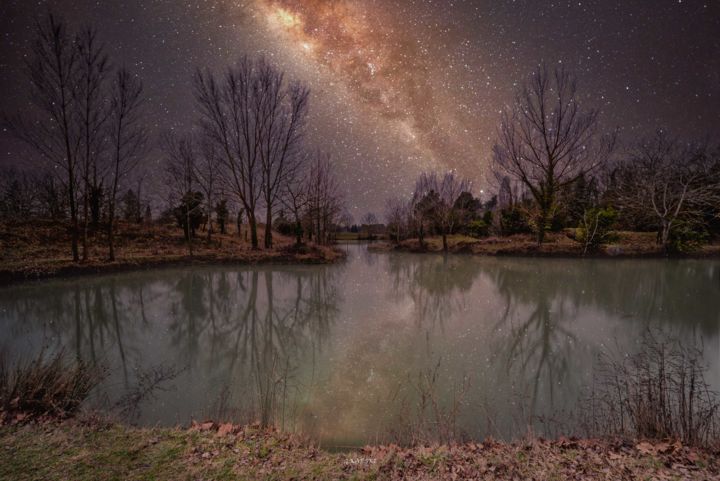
(80,452)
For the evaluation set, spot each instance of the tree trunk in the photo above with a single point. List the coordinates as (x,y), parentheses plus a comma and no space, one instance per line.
(74,223)
(209,225)
(666,227)
(298,231)
(253,230)
(445,243)
(86,222)
(111,232)
(541,226)
(268,229)
(188,231)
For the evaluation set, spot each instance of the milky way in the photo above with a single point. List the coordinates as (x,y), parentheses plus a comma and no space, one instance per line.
(403,86)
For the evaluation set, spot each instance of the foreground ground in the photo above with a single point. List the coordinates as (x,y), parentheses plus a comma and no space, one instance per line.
(40,250)
(628,244)
(93,452)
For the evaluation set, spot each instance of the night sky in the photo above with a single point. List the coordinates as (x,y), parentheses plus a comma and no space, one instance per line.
(404,86)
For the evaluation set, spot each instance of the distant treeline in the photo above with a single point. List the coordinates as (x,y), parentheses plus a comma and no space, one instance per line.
(552,169)
(87,124)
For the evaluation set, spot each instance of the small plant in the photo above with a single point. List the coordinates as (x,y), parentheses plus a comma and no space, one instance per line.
(595,227)
(658,393)
(514,220)
(427,418)
(685,237)
(478,228)
(50,387)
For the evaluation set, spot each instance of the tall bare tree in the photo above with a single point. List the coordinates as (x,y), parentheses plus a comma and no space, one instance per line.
(92,113)
(325,202)
(281,111)
(181,170)
(255,118)
(127,138)
(295,197)
(437,198)
(396,214)
(207,175)
(670,181)
(547,140)
(54,134)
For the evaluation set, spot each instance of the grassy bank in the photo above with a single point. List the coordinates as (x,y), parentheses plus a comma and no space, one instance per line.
(628,244)
(77,451)
(42,250)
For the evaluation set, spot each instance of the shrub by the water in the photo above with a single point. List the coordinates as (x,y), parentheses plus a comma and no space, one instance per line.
(47,386)
(478,228)
(595,227)
(658,393)
(686,238)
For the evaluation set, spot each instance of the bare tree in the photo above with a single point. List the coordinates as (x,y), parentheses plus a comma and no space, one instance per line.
(54,134)
(207,175)
(670,181)
(325,203)
(295,197)
(127,137)
(92,113)
(281,111)
(396,213)
(180,169)
(369,220)
(546,141)
(19,194)
(237,115)
(437,196)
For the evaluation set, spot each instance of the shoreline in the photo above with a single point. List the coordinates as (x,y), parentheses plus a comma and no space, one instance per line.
(550,250)
(64,269)
(84,450)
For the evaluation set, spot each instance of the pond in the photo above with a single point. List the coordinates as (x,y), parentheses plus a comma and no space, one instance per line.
(369,350)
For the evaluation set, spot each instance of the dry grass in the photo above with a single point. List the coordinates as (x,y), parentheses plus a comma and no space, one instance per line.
(48,387)
(210,451)
(42,249)
(557,244)
(659,392)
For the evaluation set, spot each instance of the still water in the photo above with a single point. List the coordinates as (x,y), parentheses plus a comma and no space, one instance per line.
(369,350)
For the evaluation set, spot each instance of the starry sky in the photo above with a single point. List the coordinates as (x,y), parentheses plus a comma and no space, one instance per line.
(399,87)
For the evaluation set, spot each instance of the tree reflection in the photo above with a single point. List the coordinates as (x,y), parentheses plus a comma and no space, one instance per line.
(436,284)
(247,330)
(538,318)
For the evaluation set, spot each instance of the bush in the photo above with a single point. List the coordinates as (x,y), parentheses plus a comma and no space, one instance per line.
(658,393)
(595,227)
(285,227)
(45,387)
(478,228)
(513,220)
(685,237)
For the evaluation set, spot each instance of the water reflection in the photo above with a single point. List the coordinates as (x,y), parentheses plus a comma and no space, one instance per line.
(374,349)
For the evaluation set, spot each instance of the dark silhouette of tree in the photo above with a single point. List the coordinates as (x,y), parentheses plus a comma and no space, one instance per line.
(325,202)
(92,112)
(547,140)
(668,181)
(437,200)
(254,118)
(180,169)
(127,137)
(221,214)
(207,175)
(54,133)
